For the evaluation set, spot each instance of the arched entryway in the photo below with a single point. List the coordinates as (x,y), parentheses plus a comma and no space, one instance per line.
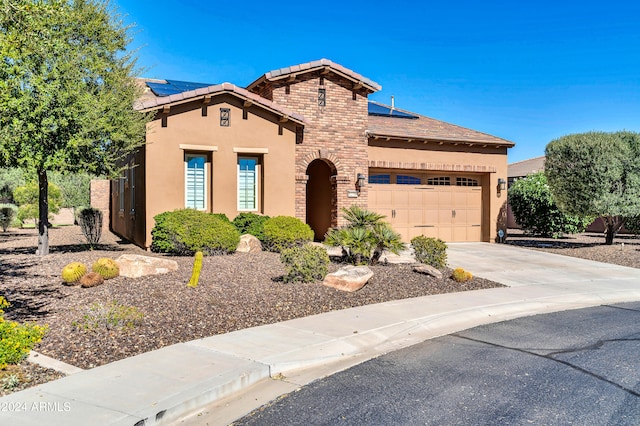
(321,197)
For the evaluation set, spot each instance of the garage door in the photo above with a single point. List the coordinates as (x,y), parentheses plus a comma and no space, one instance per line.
(448,210)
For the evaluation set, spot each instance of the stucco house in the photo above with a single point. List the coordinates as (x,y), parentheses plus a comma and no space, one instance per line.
(305,141)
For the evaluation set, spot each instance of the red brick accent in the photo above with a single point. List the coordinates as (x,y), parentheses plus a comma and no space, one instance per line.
(335,133)
(100,196)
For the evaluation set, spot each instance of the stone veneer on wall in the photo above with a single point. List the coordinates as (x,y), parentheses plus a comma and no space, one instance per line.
(335,133)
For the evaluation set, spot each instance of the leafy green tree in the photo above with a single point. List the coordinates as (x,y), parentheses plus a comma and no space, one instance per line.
(66,92)
(536,212)
(27,198)
(596,174)
(75,188)
(364,237)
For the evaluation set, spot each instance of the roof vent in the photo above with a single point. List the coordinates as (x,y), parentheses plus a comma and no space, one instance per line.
(393,103)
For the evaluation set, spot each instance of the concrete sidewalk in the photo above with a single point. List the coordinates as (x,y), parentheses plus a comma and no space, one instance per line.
(218,379)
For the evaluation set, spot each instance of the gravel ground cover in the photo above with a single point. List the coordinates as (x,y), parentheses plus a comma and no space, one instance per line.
(126,316)
(625,250)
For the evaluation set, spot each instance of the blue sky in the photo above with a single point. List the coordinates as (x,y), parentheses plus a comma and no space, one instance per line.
(525,71)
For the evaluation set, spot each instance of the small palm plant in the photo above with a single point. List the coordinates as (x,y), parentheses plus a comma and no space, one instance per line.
(365,236)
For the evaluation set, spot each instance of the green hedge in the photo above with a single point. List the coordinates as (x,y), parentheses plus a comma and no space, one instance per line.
(186,231)
(281,232)
(250,223)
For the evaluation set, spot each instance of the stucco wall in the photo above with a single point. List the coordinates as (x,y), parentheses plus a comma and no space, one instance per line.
(258,134)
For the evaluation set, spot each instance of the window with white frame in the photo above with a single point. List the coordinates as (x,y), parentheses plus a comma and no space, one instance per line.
(195,181)
(248,170)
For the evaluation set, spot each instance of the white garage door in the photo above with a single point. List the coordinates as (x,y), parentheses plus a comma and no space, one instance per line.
(448,207)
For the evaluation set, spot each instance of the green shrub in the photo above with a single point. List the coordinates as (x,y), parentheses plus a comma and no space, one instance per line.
(90,221)
(221,216)
(632,224)
(74,187)
(114,316)
(16,340)
(536,212)
(8,213)
(461,276)
(10,179)
(365,236)
(430,251)
(250,223)
(283,232)
(305,264)
(26,197)
(184,232)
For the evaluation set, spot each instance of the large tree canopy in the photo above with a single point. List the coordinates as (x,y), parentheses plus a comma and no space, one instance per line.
(66,91)
(596,174)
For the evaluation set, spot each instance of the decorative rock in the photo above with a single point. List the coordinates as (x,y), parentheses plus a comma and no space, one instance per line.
(135,265)
(427,270)
(249,244)
(349,278)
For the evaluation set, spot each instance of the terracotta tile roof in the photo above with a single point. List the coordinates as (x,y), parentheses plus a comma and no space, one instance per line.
(314,66)
(526,167)
(425,128)
(150,102)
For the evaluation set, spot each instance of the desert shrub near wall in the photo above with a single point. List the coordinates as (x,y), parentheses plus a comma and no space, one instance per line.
(430,251)
(305,264)
(632,224)
(281,232)
(16,340)
(184,232)
(8,212)
(250,223)
(90,221)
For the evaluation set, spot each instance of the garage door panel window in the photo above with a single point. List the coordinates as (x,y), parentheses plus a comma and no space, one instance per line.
(464,181)
(408,180)
(380,178)
(439,180)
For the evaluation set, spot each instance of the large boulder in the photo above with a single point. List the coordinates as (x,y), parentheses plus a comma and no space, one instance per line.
(427,270)
(349,278)
(135,265)
(249,244)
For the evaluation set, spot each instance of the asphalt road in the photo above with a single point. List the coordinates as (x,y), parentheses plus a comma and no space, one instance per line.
(577,367)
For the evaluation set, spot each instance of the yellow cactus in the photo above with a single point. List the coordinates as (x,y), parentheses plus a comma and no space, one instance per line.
(72,273)
(106,267)
(197,266)
(461,276)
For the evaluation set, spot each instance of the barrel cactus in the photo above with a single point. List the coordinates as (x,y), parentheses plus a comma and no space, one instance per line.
(72,273)
(91,279)
(106,267)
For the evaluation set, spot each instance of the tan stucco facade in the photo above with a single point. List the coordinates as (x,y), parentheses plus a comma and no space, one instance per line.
(310,130)
(252,132)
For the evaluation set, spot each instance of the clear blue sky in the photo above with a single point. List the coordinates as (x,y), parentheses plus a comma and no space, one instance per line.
(526,71)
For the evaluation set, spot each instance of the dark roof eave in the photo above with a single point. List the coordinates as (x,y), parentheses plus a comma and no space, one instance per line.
(216,90)
(497,144)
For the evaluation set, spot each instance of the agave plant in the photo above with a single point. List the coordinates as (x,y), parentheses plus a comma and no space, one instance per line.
(364,237)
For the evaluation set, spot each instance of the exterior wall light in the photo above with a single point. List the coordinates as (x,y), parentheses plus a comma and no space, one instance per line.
(360,181)
(502,184)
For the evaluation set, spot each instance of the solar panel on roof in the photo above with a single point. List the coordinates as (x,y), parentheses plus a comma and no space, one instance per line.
(172,87)
(385,111)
